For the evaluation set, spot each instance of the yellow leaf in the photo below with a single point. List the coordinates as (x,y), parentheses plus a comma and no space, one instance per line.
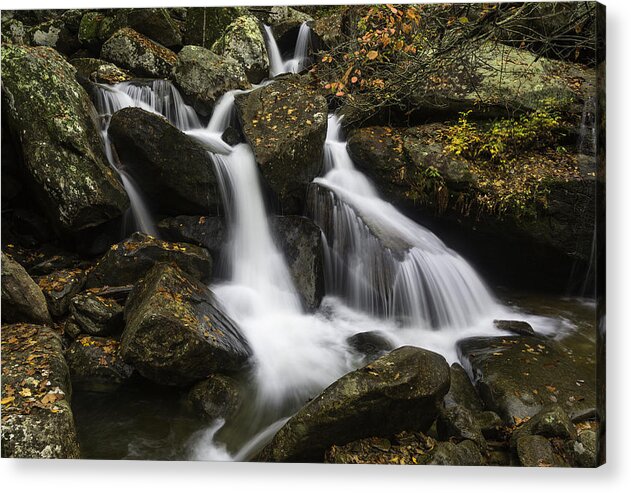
(372,54)
(463,20)
(25,392)
(7,400)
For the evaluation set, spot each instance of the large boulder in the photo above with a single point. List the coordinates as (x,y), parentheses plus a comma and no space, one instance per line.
(96,70)
(155,23)
(175,170)
(55,34)
(22,299)
(205,231)
(53,119)
(244,41)
(96,365)
(205,25)
(203,76)
(216,397)
(285,124)
(399,391)
(176,332)
(128,261)
(300,240)
(37,421)
(517,376)
(132,51)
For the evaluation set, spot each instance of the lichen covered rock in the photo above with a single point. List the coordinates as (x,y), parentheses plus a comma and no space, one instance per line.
(52,118)
(132,51)
(96,315)
(244,41)
(101,71)
(205,25)
(22,299)
(203,76)
(37,421)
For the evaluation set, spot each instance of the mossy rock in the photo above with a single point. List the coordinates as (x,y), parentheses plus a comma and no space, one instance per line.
(53,119)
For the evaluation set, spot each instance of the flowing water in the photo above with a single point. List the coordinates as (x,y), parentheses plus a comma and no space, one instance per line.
(384,273)
(300,59)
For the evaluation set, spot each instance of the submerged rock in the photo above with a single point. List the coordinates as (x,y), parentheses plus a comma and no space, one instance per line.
(285,124)
(399,391)
(203,76)
(219,396)
(132,51)
(244,41)
(176,171)
(37,420)
(300,240)
(128,261)
(96,365)
(22,299)
(52,118)
(371,345)
(60,287)
(96,315)
(177,332)
(517,376)
(205,25)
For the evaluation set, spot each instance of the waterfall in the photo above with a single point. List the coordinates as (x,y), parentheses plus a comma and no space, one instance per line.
(300,59)
(382,262)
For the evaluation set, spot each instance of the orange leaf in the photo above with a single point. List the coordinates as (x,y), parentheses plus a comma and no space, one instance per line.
(372,54)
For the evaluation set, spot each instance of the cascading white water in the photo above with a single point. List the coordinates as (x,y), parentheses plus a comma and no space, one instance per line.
(300,58)
(384,263)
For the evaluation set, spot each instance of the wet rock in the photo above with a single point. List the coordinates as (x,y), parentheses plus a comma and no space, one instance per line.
(59,288)
(205,25)
(459,423)
(517,376)
(205,231)
(203,76)
(465,453)
(176,171)
(96,315)
(129,261)
(37,420)
(396,392)
(515,326)
(551,422)
(244,42)
(372,344)
(71,328)
(283,19)
(96,70)
(155,23)
(53,119)
(22,299)
(96,365)
(301,242)
(177,332)
(461,391)
(219,396)
(132,51)
(490,424)
(285,124)
(535,451)
(403,448)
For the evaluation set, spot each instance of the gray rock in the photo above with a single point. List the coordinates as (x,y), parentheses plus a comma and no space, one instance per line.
(53,119)
(396,392)
(244,42)
(37,421)
(203,76)
(205,25)
(100,71)
(285,124)
(22,299)
(205,231)
(465,453)
(177,332)
(219,396)
(128,261)
(96,365)
(584,450)
(462,392)
(96,315)
(551,422)
(176,171)
(459,423)
(535,451)
(132,51)
(515,326)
